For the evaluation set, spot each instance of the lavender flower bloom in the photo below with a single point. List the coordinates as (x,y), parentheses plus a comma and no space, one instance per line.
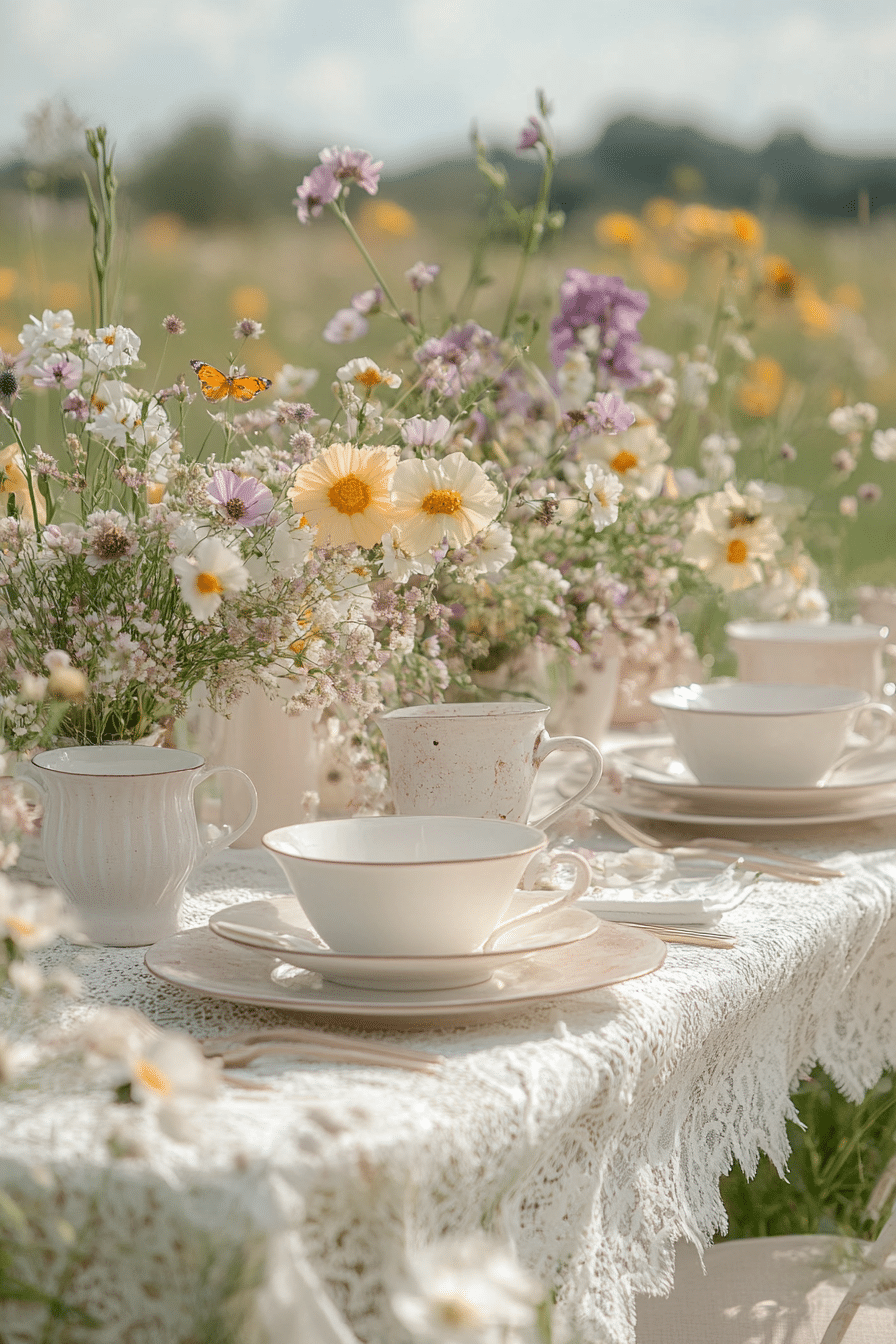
(420,275)
(77,406)
(318,189)
(58,371)
(368,301)
(345,325)
(352,165)
(608,414)
(248,329)
(420,433)
(869,493)
(455,361)
(606,304)
(529,135)
(244,501)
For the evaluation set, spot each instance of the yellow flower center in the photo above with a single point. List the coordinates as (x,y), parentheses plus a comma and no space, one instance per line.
(152,1077)
(457,1313)
(20,926)
(110,339)
(737,552)
(624,461)
(369,378)
(208,583)
(442,501)
(349,495)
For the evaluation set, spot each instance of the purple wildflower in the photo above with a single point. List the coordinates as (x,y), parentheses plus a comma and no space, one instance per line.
(174,325)
(59,370)
(248,329)
(869,493)
(318,189)
(244,501)
(420,275)
(352,165)
(606,304)
(420,433)
(529,135)
(345,325)
(608,414)
(77,406)
(368,301)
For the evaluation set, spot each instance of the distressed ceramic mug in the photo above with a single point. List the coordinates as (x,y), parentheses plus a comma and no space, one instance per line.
(477,760)
(120,834)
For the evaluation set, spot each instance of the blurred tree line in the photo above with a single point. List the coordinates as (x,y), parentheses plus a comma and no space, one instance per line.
(207,174)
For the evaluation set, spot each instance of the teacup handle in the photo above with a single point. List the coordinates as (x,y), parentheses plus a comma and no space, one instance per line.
(885,716)
(581,883)
(543,748)
(231,834)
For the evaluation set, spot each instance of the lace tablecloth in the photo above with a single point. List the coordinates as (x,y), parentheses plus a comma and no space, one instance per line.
(591,1130)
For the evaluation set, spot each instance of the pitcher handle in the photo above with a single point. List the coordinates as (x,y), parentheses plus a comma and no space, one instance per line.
(29,774)
(228,837)
(543,748)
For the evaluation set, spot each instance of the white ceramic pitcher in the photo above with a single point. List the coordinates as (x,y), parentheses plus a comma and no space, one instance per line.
(476,760)
(120,834)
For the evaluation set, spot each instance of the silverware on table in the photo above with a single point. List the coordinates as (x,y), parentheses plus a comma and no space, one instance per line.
(674,933)
(775,863)
(237,1049)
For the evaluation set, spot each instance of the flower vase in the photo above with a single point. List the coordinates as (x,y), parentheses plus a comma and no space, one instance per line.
(279,753)
(582,696)
(661,656)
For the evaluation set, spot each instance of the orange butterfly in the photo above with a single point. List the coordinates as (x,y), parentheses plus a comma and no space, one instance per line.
(216,385)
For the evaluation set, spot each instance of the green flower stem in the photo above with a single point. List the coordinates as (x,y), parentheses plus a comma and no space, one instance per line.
(340,212)
(533,238)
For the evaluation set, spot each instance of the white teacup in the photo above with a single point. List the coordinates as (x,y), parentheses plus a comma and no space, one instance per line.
(477,760)
(120,835)
(412,886)
(810,654)
(760,735)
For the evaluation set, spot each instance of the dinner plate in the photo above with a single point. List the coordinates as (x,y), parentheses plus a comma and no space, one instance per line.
(200,961)
(278,924)
(632,800)
(657,767)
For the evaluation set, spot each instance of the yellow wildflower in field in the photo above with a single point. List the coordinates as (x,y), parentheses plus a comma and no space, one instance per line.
(781,279)
(249,299)
(847,295)
(619,230)
(702,226)
(667,278)
(746,229)
(344,494)
(817,317)
(8,278)
(660,213)
(163,231)
(763,386)
(388,219)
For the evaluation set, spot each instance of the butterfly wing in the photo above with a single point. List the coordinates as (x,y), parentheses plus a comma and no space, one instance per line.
(215,384)
(244,389)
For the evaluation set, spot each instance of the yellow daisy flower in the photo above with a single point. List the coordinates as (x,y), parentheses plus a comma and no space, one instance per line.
(344,493)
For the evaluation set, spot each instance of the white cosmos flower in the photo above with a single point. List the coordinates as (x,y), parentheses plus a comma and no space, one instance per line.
(450,497)
(637,455)
(491,551)
(112,348)
(208,575)
(467,1291)
(604,493)
(732,542)
(53,330)
(33,917)
(366,375)
(398,564)
(883,445)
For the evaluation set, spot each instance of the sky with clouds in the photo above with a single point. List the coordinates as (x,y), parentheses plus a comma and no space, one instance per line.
(404,78)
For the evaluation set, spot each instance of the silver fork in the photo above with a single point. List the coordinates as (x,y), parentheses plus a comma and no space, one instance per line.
(759,860)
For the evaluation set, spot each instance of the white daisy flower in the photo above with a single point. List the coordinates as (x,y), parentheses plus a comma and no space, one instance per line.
(637,455)
(604,493)
(366,375)
(732,542)
(450,497)
(466,1290)
(398,564)
(208,575)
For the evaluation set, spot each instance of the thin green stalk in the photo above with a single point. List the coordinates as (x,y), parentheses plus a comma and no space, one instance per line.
(340,212)
(534,236)
(102,217)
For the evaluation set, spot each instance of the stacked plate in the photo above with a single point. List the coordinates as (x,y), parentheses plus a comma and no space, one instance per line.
(651,780)
(264,952)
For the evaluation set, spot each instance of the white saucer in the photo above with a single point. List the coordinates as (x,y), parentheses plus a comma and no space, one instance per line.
(200,961)
(657,767)
(279,925)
